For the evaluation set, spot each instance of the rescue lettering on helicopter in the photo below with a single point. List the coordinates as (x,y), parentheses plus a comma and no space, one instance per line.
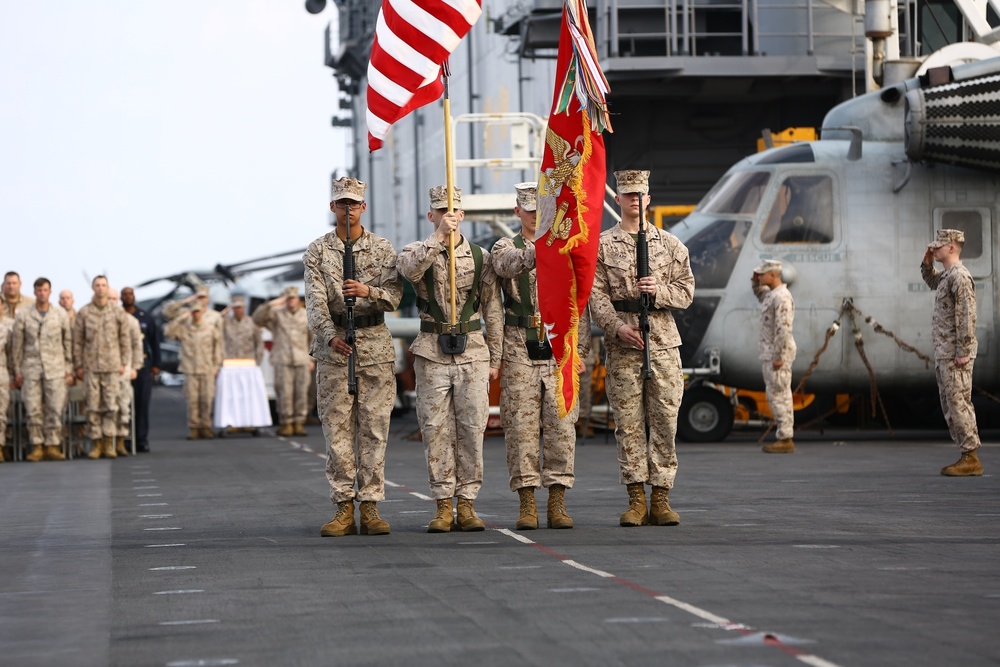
(811,257)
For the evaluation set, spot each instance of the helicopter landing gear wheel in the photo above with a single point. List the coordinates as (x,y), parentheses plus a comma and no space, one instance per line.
(706,415)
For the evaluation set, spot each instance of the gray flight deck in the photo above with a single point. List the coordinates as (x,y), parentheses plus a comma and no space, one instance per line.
(854,551)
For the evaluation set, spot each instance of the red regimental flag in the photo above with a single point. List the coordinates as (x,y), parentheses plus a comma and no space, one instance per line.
(571,195)
(413,38)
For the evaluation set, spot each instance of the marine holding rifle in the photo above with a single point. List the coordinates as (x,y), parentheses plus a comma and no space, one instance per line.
(644,380)
(454,358)
(529,385)
(351,282)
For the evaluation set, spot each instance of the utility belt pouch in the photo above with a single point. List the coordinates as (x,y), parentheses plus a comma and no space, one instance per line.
(538,350)
(453,342)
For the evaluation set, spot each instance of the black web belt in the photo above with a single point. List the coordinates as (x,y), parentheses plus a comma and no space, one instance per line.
(630,306)
(444,327)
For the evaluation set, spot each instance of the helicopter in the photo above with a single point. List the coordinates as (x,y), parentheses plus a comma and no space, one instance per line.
(850,216)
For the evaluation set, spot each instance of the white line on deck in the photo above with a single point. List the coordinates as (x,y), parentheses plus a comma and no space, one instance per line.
(183,591)
(173,567)
(194,622)
(177,544)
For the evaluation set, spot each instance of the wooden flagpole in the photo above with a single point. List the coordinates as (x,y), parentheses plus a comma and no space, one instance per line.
(449,167)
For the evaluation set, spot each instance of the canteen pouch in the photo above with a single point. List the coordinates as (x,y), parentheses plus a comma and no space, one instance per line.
(453,343)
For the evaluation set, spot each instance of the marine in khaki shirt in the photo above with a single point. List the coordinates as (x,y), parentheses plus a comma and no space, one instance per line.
(453,389)
(642,405)
(776,350)
(201,359)
(953,329)
(286,319)
(241,335)
(529,380)
(101,355)
(356,427)
(43,368)
(11,299)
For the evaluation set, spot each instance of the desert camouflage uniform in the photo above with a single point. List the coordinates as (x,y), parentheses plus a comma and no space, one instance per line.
(953,326)
(201,359)
(590,362)
(653,461)
(135,363)
(453,400)
(43,355)
(528,387)
(356,428)
(12,308)
(6,340)
(777,311)
(102,348)
(289,358)
(242,339)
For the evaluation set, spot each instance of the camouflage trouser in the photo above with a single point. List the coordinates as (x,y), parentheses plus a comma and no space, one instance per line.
(199,389)
(778,383)
(291,386)
(453,404)
(125,407)
(527,411)
(44,400)
(955,388)
(653,461)
(356,428)
(4,403)
(102,403)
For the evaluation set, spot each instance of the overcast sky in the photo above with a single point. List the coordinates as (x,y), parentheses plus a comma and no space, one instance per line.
(147,138)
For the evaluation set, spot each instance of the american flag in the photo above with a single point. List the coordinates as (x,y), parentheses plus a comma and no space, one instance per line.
(413,39)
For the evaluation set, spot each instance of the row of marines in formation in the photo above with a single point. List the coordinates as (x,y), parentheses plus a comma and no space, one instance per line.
(49,348)
(114,351)
(498,288)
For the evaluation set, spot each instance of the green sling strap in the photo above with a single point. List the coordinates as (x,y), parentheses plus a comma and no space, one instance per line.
(524,313)
(430,305)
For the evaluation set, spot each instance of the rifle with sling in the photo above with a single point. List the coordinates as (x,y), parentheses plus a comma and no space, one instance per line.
(642,271)
(350,333)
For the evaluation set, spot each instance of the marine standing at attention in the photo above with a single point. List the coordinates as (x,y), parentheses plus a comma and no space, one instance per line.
(645,410)
(776,350)
(355,417)
(529,380)
(453,365)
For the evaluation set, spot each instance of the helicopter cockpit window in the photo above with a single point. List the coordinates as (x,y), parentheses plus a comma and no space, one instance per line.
(802,212)
(739,194)
(970,222)
(714,250)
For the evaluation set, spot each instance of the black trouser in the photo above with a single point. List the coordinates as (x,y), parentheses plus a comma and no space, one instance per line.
(143,386)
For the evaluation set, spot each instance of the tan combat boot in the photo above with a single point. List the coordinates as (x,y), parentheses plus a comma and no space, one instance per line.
(54,453)
(786,446)
(207,433)
(371,522)
(967,466)
(636,514)
(194,434)
(298,428)
(120,447)
(109,447)
(441,523)
(286,430)
(36,454)
(96,448)
(467,519)
(556,516)
(528,514)
(342,522)
(660,513)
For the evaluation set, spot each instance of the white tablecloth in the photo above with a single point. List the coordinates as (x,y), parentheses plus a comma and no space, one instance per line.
(241,397)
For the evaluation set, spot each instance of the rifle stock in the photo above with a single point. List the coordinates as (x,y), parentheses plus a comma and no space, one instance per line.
(350,335)
(642,271)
